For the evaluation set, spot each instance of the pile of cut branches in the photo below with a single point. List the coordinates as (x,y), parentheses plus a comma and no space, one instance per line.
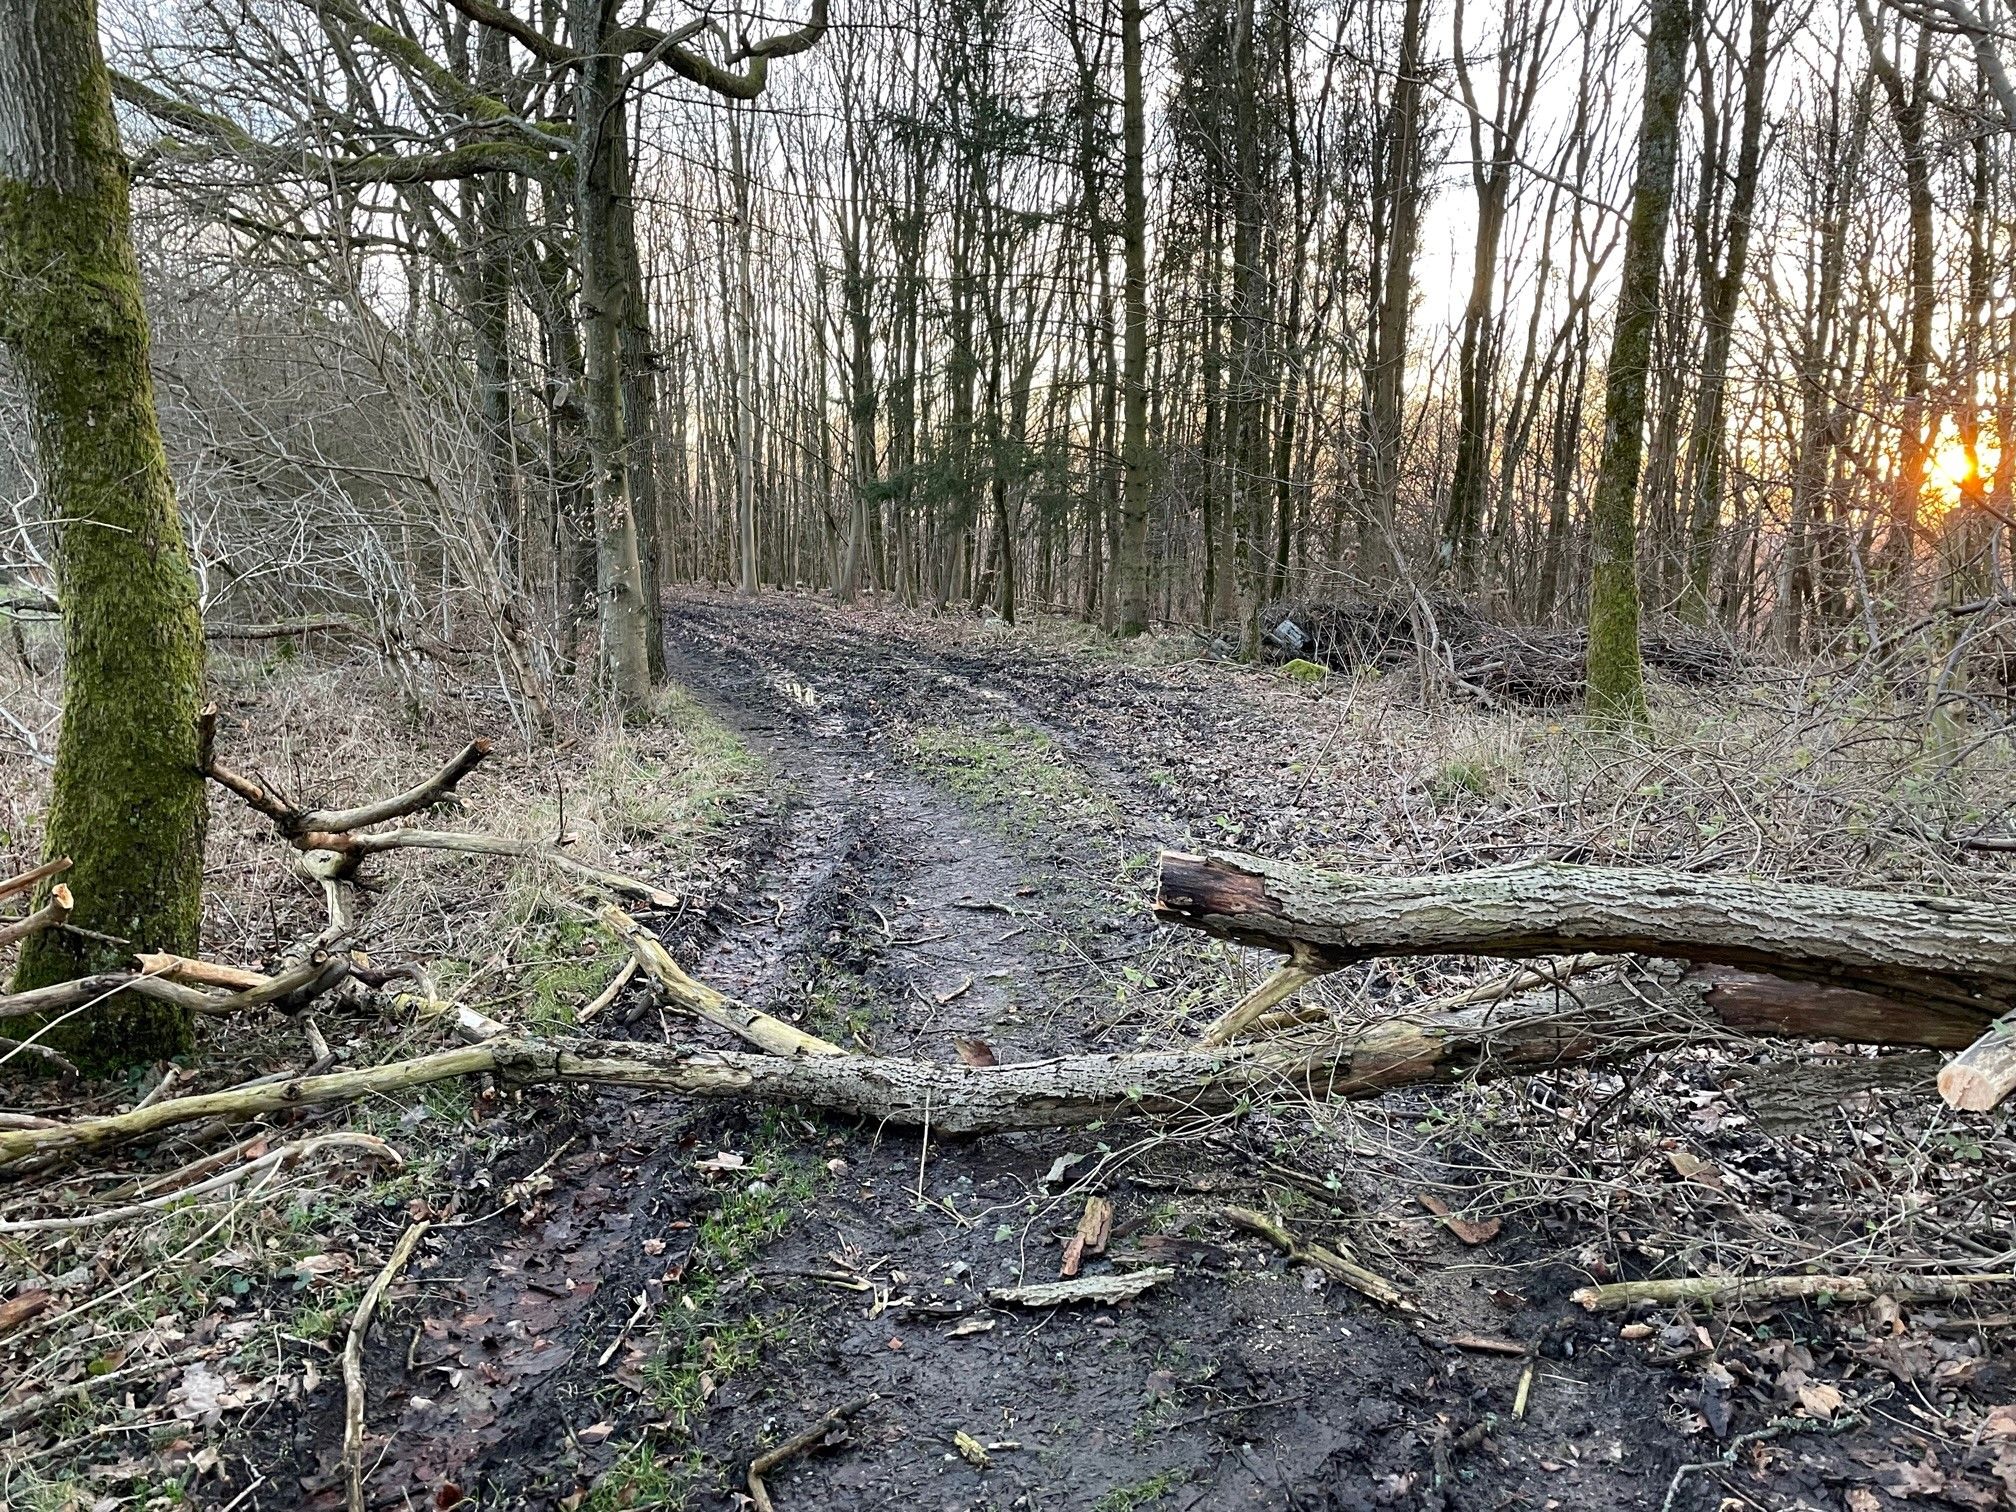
(1529,665)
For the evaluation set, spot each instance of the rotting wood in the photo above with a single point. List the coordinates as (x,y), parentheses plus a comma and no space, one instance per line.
(1712,1291)
(760,1029)
(1981,1076)
(1121,1286)
(353,1363)
(1599,1020)
(1095,1227)
(1910,947)
(1325,1259)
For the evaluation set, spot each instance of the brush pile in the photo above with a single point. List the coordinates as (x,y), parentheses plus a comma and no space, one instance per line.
(1521,664)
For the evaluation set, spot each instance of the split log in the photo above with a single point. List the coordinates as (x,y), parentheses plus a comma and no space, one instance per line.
(1911,948)
(1594,1021)
(1979,1077)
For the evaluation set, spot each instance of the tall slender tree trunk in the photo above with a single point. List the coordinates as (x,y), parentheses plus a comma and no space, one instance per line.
(1616,664)
(128,806)
(1386,377)
(1721,295)
(1130,569)
(623,618)
(749,569)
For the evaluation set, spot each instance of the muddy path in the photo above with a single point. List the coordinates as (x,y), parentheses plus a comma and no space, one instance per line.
(952,854)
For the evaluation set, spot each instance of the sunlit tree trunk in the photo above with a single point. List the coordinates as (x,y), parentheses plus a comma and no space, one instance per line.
(128,803)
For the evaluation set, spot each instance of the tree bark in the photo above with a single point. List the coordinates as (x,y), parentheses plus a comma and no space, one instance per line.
(128,803)
(1916,950)
(623,617)
(1616,664)
(1130,566)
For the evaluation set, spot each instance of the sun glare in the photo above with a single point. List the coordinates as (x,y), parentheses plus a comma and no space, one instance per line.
(1953,473)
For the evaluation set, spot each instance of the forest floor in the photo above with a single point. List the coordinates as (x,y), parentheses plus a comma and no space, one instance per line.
(912,837)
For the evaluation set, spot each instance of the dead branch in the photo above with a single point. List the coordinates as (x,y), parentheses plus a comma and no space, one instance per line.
(1911,948)
(1325,1259)
(702,1001)
(792,1447)
(25,880)
(286,1155)
(194,973)
(56,1060)
(353,1363)
(23,1413)
(425,795)
(48,916)
(357,847)
(1535,1031)
(1714,1291)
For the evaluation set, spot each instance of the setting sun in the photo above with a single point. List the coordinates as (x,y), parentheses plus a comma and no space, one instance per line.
(1953,472)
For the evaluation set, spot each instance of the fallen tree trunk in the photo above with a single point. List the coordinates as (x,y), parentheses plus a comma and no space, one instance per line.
(1535,1031)
(1917,951)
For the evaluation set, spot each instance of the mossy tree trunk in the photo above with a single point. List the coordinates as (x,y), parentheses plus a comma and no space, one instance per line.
(129,803)
(1616,663)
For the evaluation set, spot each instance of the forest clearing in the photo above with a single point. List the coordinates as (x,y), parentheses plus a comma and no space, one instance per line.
(931,843)
(1007,754)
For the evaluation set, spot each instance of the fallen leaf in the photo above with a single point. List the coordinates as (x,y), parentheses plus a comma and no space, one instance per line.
(1820,1399)
(972,1450)
(2001,1423)
(1469,1231)
(1716,1384)
(965,1328)
(1863,1500)
(974,1051)
(1923,1479)
(1693,1168)
(725,1160)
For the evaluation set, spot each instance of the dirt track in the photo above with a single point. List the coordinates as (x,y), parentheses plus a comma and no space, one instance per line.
(953,848)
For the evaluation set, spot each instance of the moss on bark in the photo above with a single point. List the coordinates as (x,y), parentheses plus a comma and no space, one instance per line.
(128,803)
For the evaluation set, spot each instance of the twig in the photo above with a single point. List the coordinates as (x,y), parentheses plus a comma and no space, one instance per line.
(23,1413)
(1328,1261)
(285,1155)
(353,1363)
(791,1448)
(1854,1418)
(610,993)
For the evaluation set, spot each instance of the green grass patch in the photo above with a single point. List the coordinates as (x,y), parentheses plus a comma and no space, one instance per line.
(1141,1493)
(1014,774)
